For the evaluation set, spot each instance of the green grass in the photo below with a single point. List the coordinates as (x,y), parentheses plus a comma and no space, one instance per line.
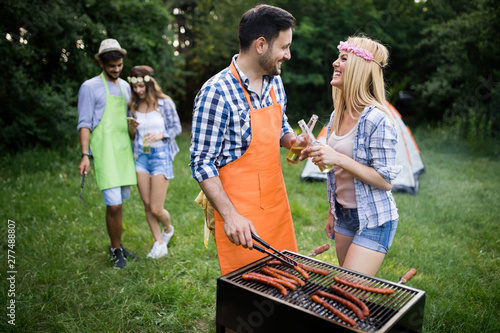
(65,283)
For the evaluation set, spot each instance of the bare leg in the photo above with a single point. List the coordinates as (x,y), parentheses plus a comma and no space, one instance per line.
(363,260)
(159,187)
(144,186)
(114,225)
(342,244)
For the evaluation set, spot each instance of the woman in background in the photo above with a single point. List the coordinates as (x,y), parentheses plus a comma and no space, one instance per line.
(153,129)
(362,145)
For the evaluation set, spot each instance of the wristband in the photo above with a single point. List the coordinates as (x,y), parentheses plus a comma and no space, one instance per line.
(86,155)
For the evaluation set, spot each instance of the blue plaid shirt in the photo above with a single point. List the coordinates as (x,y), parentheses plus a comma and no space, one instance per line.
(221,130)
(374,146)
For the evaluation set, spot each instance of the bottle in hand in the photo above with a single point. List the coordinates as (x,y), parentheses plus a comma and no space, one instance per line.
(324,168)
(146,146)
(301,143)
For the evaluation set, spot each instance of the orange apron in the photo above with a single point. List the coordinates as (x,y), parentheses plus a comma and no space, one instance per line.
(255,186)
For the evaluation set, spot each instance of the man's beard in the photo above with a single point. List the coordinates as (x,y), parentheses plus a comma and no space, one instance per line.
(112,75)
(268,64)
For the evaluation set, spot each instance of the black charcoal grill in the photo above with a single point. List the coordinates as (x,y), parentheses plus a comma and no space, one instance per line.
(250,307)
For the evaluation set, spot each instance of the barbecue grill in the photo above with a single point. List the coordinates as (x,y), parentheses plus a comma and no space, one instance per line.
(249,307)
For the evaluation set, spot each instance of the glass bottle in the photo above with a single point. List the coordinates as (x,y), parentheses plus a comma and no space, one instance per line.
(300,143)
(146,145)
(324,168)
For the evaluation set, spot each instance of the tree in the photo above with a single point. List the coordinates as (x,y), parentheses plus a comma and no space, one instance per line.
(459,58)
(48,51)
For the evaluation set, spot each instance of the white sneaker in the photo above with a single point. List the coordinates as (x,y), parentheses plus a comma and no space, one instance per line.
(166,237)
(158,251)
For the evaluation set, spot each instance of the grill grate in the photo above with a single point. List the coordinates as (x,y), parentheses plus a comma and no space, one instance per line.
(383,308)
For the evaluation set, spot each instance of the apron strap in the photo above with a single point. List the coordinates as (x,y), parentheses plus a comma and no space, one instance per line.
(106,85)
(247,96)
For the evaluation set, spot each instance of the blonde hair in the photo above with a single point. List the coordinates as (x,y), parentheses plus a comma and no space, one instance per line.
(153,89)
(363,81)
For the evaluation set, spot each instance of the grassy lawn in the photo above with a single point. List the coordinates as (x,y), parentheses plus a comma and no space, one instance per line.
(64,283)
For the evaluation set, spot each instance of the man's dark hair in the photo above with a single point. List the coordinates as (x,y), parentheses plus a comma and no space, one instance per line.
(263,21)
(109,56)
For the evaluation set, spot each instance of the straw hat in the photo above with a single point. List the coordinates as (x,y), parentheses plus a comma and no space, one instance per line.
(109,45)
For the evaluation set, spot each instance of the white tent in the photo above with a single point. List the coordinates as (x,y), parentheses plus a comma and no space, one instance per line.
(408,155)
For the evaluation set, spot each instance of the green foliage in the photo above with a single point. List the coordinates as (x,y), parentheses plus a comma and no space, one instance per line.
(459,60)
(47,51)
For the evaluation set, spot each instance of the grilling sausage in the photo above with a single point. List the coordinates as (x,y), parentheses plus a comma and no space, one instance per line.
(352,298)
(285,283)
(265,280)
(268,271)
(314,269)
(297,268)
(288,275)
(363,287)
(335,311)
(302,272)
(357,311)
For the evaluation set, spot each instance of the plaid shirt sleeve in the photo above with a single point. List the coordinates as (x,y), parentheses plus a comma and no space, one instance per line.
(381,145)
(209,122)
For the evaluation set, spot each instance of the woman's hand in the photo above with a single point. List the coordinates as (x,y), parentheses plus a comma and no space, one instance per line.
(132,125)
(152,137)
(323,154)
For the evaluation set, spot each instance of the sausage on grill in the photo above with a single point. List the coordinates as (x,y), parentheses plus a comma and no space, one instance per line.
(297,268)
(288,275)
(268,271)
(265,280)
(302,272)
(357,311)
(335,311)
(363,287)
(314,269)
(287,284)
(352,298)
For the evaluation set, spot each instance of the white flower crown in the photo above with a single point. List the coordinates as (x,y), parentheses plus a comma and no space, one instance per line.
(134,79)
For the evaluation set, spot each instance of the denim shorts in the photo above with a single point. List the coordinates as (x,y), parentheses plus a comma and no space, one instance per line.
(116,195)
(157,162)
(378,239)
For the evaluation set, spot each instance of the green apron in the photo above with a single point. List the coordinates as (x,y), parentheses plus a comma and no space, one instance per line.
(110,145)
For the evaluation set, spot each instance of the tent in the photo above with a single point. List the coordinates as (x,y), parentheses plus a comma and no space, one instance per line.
(408,155)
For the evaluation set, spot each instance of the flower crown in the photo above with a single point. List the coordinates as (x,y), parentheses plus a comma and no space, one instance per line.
(134,79)
(359,51)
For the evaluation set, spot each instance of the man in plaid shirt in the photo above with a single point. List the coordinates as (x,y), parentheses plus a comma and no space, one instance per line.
(239,123)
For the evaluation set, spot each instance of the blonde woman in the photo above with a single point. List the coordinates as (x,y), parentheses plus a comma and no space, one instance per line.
(153,129)
(362,145)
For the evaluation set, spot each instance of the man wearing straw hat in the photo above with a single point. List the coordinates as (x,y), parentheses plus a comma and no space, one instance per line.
(102,123)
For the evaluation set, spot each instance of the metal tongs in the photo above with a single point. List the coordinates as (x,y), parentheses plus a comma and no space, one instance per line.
(81,189)
(287,261)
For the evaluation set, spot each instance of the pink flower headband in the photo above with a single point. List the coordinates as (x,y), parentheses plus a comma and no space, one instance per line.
(359,51)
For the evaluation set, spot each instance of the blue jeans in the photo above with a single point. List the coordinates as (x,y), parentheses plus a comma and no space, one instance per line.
(157,162)
(378,239)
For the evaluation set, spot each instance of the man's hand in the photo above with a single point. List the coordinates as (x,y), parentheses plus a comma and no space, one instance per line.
(84,165)
(239,231)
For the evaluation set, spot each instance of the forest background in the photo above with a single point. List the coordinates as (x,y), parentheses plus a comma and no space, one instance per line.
(444,68)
